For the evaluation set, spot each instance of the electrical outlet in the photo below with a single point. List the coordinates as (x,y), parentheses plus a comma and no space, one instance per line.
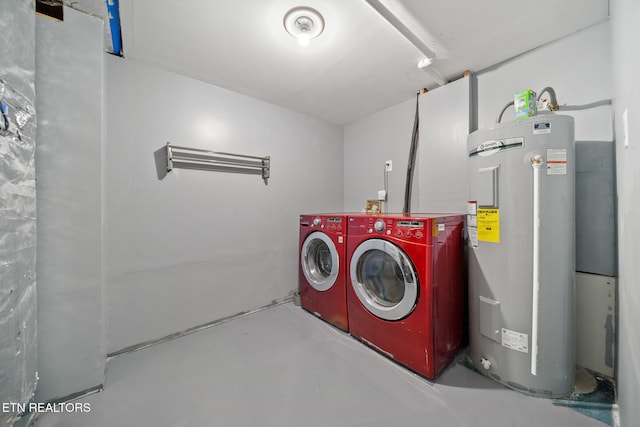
(388,165)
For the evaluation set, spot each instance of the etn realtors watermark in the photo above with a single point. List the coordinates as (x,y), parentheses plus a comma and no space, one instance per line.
(35,407)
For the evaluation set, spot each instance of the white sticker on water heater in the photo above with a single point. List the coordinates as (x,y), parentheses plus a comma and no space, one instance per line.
(556,161)
(541,127)
(473,236)
(515,340)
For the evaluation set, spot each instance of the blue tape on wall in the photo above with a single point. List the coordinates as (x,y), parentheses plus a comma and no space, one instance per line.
(114,23)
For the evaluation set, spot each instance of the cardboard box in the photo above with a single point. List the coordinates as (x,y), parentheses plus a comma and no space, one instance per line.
(525,103)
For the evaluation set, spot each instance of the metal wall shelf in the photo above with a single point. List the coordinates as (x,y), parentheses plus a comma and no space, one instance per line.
(194,158)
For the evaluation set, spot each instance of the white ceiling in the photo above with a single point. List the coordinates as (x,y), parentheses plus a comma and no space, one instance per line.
(360,64)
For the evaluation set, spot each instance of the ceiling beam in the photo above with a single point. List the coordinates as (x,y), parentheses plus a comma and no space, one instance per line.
(412,38)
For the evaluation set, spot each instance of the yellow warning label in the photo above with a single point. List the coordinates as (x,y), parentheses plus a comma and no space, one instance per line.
(489,225)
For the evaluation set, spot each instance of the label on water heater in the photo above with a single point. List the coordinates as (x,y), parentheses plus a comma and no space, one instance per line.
(473,236)
(515,340)
(488,221)
(556,161)
(541,127)
(472,222)
(472,208)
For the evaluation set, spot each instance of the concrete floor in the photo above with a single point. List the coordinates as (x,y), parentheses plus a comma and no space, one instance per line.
(283,367)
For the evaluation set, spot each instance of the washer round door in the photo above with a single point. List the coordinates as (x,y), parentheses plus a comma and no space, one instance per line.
(319,261)
(384,279)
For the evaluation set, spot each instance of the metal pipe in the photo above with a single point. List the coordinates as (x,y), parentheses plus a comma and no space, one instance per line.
(499,118)
(553,106)
(585,106)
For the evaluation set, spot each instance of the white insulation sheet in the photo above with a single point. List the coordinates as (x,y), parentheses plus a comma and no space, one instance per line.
(18,376)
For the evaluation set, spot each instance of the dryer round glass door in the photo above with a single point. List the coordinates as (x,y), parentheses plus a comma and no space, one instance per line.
(384,279)
(319,261)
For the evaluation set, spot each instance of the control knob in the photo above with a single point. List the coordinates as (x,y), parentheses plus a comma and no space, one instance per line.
(316,221)
(379,225)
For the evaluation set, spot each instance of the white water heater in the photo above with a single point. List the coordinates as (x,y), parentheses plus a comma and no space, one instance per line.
(521,226)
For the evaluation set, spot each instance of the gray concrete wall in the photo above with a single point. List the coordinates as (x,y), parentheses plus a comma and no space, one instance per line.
(440,173)
(196,246)
(626,60)
(69,83)
(18,357)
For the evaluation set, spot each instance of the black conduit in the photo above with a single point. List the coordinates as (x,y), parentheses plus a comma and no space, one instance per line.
(412,161)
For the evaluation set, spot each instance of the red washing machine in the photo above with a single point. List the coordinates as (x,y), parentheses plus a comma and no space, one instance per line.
(405,287)
(322,277)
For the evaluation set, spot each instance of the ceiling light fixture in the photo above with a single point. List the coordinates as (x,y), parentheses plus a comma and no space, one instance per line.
(304,23)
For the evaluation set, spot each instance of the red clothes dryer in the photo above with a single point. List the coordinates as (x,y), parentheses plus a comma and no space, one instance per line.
(405,287)
(322,276)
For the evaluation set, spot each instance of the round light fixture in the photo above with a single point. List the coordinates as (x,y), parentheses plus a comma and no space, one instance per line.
(304,23)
